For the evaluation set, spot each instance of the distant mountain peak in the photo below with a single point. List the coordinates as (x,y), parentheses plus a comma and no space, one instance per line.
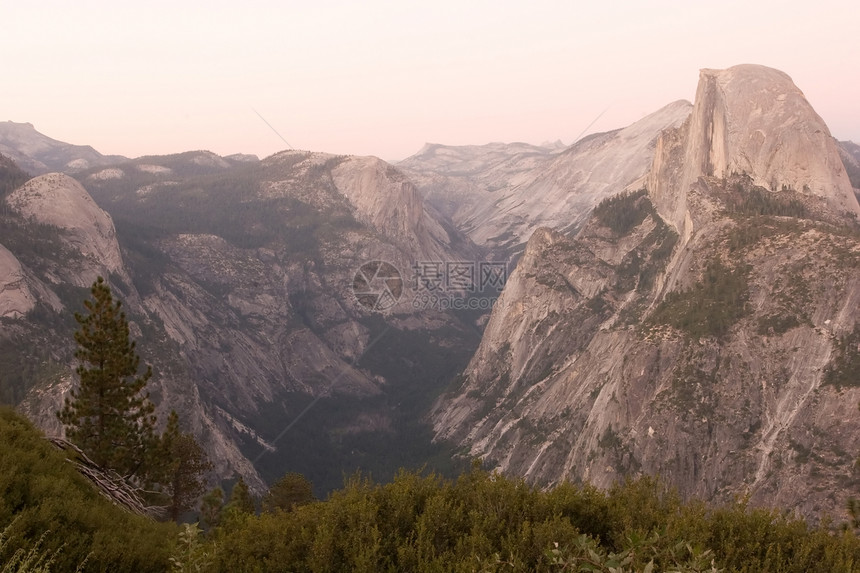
(37,153)
(557,144)
(752,120)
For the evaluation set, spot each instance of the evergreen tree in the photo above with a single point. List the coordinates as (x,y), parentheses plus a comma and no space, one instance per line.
(290,491)
(11,176)
(211,507)
(183,463)
(240,498)
(109,416)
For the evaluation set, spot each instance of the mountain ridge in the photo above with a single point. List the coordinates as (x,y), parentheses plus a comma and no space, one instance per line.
(238,277)
(503,192)
(39,154)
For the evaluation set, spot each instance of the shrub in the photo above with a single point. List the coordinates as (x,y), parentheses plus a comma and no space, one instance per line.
(40,491)
(486,522)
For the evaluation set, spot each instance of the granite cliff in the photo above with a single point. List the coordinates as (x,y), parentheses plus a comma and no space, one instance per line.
(704,328)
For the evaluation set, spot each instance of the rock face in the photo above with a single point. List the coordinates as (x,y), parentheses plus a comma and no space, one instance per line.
(456,180)
(850,153)
(66,241)
(389,202)
(60,201)
(15,296)
(502,199)
(705,330)
(750,120)
(720,359)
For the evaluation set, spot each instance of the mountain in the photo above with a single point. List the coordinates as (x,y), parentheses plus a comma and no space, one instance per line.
(704,328)
(781,144)
(38,154)
(499,194)
(454,179)
(56,200)
(16,299)
(241,282)
(689,307)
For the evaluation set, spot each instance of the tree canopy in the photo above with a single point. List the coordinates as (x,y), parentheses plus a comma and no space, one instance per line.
(182,465)
(289,492)
(43,496)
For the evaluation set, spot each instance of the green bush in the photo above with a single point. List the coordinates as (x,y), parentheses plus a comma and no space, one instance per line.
(486,522)
(41,492)
(24,559)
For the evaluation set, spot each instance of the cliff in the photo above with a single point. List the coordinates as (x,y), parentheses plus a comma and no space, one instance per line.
(749,120)
(719,356)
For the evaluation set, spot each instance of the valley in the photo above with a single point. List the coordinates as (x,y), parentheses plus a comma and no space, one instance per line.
(680,298)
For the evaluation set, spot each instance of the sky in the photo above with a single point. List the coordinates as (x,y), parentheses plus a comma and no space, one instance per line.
(383,78)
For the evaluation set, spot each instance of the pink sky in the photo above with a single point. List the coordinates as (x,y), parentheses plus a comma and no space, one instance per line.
(382,78)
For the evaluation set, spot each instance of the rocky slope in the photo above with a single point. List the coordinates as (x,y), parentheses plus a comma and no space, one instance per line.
(498,196)
(750,120)
(16,300)
(705,330)
(457,179)
(389,202)
(59,201)
(65,241)
(239,280)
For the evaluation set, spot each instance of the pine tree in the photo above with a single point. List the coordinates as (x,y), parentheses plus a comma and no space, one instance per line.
(109,416)
(240,498)
(211,507)
(183,465)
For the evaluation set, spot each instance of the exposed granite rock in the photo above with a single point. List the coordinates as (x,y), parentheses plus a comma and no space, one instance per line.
(709,359)
(499,194)
(749,120)
(59,200)
(15,296)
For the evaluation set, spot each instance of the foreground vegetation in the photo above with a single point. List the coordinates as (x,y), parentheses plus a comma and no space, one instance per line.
(485,522)
(479,522)
(46,504)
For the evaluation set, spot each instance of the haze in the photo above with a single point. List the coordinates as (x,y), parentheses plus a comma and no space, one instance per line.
(382,78)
